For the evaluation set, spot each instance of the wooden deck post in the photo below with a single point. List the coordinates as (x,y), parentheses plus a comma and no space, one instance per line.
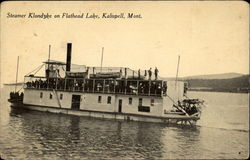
(161,88)
(149,86)
(103,86)
(125,90)
(83,84)
(114,85)
(65,84)
(74,84)
(137,83)
(47,83)
(93,85)
(56,83)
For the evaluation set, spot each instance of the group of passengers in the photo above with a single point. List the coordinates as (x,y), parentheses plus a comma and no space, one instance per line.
(190,108)
(122,86)
(108,86)
(54,83)
(16,95)
(155,88)
(38,84)
(42,84)
(150,73)
(146,73)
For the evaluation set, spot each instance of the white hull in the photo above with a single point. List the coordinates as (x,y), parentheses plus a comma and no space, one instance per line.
(168,119)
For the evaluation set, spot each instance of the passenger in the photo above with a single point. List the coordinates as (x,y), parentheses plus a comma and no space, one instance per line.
(126,73)
(189,109)
(58,81)
(193,109)
(179,103)
(121,72)
(145,74)
(156,73)
(149,74)
(28,84)
(87,72)
(164,88)
(112,86)
(80,85)
(76,86)
(11,95)
(153,88)
(140,87)
(16,95)
(122,86)
(33,84)
(128,88)
(53,83)
(159,86)
(86,85)
(98,87)
(139,74)
(21,95)
(44,84)
(146,88)
(40,83)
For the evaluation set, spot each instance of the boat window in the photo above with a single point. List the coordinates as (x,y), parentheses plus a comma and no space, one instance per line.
(130,100)
(109,100)
(41,94)
(140,101)
(99,99)
(50,96)
(152,102)
(143,109)
(61,96)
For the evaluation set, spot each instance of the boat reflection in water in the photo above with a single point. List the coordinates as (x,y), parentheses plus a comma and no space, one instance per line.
(57,135)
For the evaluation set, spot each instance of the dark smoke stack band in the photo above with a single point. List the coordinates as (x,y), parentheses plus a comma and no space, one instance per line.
(69,47)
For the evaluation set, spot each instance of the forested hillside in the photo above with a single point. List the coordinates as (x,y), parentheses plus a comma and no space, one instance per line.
(239,84)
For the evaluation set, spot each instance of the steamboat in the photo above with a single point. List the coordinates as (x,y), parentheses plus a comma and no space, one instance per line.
(106,92)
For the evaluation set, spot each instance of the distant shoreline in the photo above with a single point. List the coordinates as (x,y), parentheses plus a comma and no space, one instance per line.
(214,90)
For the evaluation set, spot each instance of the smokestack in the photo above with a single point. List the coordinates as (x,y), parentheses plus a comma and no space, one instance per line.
(69,46)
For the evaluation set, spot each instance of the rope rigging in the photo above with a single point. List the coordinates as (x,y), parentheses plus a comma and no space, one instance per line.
(38,68)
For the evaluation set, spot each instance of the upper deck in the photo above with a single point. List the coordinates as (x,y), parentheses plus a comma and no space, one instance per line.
(98,85)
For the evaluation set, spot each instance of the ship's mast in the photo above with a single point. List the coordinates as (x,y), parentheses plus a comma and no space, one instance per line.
(102,58)
(177,70)
(49,54)
(47,71)
(17,72)
(49,57)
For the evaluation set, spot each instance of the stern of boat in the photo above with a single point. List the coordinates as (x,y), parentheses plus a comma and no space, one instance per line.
(16,99)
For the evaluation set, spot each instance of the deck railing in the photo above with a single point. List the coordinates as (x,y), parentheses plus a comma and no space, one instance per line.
(112,86)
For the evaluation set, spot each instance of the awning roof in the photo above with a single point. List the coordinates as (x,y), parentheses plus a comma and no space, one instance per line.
(54,62)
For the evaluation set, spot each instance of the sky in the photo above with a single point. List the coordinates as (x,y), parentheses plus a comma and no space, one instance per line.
(210,36)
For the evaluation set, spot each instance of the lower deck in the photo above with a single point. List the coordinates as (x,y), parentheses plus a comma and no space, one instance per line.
(110,106)
(111,103)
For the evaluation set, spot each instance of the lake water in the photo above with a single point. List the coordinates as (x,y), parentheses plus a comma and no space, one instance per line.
(221,133)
